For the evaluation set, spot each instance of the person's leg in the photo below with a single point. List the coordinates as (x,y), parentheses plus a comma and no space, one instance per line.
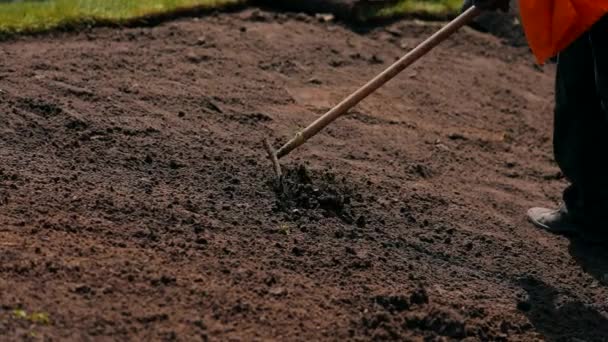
(577,107)
(599,45)
(580,126)
(594,185)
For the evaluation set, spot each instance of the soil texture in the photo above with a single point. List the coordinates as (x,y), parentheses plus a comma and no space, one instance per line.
(137,202)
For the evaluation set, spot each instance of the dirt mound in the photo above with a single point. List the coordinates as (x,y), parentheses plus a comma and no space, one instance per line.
(299,195)
(398,317)
(136,202)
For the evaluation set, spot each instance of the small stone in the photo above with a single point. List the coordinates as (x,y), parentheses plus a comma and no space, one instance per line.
(324,18)
(442,147)
(277,291)
(314,81)
(376,60)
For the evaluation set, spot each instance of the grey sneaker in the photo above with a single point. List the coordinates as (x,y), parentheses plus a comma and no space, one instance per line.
(556,221)
(560,222)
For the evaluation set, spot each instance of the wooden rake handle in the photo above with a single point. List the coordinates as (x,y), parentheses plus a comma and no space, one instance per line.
(373,85)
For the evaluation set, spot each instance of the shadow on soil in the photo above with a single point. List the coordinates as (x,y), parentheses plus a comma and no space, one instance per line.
(592,258)
(559,321)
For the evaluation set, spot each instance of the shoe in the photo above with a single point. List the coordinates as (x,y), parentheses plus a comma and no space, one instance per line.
(560,222)
(554,221)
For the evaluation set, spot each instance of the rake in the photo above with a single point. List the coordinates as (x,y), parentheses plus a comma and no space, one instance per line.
(353,99)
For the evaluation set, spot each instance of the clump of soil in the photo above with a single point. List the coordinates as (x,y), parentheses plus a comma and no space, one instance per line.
(301,192)
(395,317)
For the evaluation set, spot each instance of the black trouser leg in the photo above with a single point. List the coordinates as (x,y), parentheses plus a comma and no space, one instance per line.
(599,44)
(581,125)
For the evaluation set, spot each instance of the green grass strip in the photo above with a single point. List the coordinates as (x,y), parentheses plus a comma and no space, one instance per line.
(437,8)
(34,16)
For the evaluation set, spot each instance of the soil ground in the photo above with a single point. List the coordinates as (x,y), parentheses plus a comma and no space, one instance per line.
(136,201)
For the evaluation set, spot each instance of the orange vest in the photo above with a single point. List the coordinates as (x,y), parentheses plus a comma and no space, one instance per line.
(552,25)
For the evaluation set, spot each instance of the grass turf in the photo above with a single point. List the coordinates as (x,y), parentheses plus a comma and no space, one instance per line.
(41,15)
(430,7)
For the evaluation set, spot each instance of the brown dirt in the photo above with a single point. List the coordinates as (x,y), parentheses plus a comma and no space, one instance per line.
(136,201)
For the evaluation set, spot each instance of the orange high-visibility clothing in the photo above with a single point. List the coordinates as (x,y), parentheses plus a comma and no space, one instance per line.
(552,25)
